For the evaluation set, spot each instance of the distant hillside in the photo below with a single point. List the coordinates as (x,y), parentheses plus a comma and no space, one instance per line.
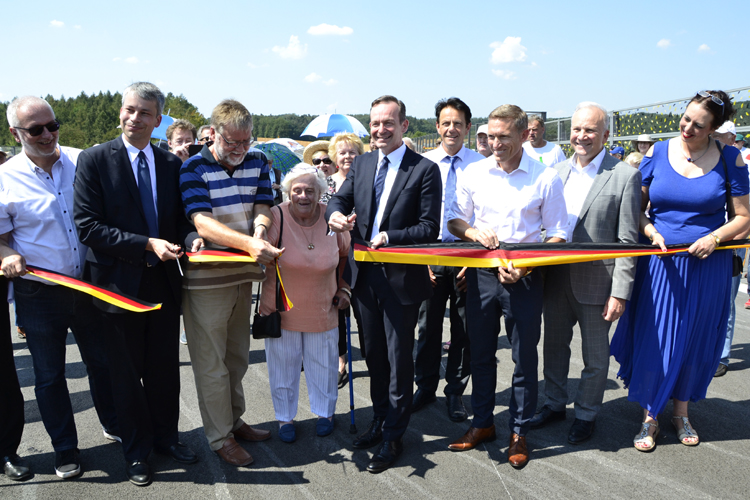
(92,119)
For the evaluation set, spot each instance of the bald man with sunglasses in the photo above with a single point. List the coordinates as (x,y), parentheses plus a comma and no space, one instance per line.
(37,229)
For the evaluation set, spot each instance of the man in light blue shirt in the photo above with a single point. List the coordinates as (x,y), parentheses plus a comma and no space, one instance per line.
(36,228)
(453,122)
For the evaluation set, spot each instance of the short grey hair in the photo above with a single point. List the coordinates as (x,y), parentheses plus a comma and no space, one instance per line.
(27,100)
(148,92)
(300,170)
(200,130)
(536,118)
(592,104)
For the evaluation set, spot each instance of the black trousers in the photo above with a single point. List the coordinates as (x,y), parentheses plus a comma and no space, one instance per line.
(143,350)
(388,328)
(11,399)
(429,346)
(521,304)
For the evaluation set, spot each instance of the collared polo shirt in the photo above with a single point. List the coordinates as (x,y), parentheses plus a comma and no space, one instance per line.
(207,186)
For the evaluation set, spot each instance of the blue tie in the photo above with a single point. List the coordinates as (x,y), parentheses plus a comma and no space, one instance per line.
(147,200)
(450,194)
(380,182)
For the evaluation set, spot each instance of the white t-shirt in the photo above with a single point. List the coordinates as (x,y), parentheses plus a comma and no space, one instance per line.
(549,154)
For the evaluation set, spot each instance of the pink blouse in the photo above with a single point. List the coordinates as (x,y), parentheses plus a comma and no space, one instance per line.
(310,277)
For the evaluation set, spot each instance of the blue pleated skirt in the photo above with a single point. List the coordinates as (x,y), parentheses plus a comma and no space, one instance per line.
(670,338)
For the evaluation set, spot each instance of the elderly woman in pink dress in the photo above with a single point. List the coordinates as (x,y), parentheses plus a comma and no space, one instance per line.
(311,267)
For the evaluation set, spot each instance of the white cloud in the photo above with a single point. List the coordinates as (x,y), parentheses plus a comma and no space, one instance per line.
(330,82)
(510,50)
(329,29)
(77,26)
(534,65)
(131,60)
(56,24)
(116,59)
(704,48)
(664,43)
(256,66)
(505,75)
(295,50)
(313,77)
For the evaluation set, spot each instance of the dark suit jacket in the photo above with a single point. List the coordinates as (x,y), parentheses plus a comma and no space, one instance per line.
(412,215)
(109,217)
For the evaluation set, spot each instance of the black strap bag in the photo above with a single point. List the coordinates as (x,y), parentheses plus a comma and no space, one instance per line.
(269,327)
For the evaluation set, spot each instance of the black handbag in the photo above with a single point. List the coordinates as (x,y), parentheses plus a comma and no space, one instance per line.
(269,327)
(737,263)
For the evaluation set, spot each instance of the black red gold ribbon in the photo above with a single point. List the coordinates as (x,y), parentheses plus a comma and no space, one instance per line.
(464,254)
(122,301)
(236,256)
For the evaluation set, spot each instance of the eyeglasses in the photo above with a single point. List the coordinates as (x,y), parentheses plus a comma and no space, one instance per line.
(236,144)
(205,139)
(706,95)
(318,161)
(37,130)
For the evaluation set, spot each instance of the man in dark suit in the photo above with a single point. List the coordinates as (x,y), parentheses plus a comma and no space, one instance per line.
(397,195)
(128,211)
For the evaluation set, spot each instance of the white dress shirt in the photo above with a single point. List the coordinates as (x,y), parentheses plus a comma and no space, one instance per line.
(517,205)
(549,154)
(464,158)
(395,159)
(577,187)
(36,208)
(133,155)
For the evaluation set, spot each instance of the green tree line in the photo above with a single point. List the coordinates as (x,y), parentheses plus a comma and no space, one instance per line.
(93,119)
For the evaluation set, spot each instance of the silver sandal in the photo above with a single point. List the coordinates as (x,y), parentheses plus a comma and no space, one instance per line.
(685,432)
(644,438)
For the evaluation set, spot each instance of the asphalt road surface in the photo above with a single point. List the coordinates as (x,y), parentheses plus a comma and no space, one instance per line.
(607,466)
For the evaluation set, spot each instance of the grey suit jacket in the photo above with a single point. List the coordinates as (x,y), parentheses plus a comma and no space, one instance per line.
(610,214)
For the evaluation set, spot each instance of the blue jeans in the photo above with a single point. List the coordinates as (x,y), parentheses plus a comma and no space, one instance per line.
(732,314)
(47,312)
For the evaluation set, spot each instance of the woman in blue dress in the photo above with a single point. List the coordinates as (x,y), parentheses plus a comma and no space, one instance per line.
(670,338)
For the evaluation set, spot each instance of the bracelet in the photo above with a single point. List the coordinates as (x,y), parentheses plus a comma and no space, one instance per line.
(651,236)
(263,225)
(347,291)
(716,237)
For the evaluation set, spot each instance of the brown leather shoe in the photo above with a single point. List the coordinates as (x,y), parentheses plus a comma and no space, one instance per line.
(234,454)
(518,453)
(249,434)
(473,437)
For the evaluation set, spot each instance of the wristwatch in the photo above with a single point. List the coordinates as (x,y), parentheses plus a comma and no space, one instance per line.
(716,238)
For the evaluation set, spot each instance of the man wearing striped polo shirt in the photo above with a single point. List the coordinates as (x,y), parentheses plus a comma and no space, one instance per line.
(227,194)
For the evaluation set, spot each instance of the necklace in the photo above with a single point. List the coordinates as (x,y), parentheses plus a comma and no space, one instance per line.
(310,245)
(693,160)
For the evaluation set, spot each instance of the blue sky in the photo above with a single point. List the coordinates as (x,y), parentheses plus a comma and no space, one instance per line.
(303,57)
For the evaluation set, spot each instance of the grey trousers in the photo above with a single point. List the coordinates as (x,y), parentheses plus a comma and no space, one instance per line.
(561,312)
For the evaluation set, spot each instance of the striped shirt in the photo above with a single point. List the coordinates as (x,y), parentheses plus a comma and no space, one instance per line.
(207,186)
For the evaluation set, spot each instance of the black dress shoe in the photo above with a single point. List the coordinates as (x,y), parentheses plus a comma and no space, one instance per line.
(545,416)
(722,369)
(15,468)
(372,436)
(179,453)
(421,399)
(456,409)
(386,456)
(580,431)
(139,473)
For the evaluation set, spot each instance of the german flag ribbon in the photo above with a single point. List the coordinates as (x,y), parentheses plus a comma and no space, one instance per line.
(123,301)
(232,255)
(465,254)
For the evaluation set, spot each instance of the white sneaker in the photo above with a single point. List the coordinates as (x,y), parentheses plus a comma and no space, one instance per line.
(67,463)
(111,437)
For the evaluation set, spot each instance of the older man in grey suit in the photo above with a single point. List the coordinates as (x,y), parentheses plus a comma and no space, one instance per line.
(603,197)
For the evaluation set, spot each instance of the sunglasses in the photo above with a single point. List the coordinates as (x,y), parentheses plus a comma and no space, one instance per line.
(318,161)
(715,99)
(37,130)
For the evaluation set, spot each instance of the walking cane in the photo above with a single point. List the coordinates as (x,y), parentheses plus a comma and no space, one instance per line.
(353,426)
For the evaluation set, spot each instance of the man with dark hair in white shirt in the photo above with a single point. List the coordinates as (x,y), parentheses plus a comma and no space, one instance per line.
(507,197)
(448,283)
